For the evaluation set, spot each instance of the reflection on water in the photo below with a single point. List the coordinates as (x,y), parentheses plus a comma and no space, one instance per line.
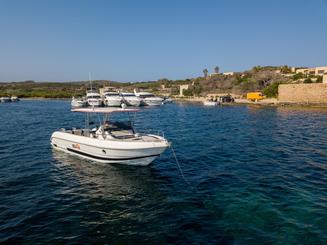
(100,179)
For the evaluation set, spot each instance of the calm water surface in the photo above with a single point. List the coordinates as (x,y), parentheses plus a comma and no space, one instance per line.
(257,175)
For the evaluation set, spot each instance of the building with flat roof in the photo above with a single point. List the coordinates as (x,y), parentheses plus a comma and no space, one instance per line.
(321,70)
(213,74)
(312,71)
(230,73)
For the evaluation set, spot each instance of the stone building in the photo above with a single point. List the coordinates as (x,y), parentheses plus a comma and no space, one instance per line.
(312,71)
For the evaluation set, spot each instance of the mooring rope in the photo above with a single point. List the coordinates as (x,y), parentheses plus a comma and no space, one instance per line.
(179,167)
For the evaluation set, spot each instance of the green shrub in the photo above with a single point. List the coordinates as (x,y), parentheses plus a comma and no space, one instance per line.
(197,90)
(308,80)
(285,69)
(271,91)
(188,92)
(298,76)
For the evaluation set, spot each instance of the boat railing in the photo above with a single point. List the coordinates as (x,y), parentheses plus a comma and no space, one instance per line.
(152,131)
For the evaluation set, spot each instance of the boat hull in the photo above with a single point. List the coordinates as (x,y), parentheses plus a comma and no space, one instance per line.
(149,102)
(14,99)
(138,153)
(78,104)
(210,103)
(5,99)
(94,102)
(167,101)
(113,102)
(135,103)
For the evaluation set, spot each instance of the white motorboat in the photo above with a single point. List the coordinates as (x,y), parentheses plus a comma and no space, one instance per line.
(110,142)
(112,99)
(93,98)
(14,99)
(210,103)
(149,99)
(167,100)
(5,99)
(78,102)
(131,99)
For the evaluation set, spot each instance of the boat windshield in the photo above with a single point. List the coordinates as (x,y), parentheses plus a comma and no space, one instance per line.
(147,95)
(119,129)
(93,97)
(111,94)
(117,125)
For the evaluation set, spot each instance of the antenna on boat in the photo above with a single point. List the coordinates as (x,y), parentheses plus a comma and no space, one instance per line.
(90,80)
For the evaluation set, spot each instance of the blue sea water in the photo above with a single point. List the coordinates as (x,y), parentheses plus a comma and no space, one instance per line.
(255,175)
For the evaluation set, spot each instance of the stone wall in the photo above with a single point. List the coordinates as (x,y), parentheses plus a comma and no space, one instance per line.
(324,78)
(303,93)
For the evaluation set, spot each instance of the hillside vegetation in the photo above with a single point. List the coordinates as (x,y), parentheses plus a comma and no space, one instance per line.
(265,79)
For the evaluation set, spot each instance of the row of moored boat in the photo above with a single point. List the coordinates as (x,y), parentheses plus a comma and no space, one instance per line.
(119,99)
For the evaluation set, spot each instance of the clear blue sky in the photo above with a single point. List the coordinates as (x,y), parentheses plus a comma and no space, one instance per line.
(62,40)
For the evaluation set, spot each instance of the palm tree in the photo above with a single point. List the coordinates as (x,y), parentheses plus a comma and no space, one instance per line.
(216,69)
(205,72)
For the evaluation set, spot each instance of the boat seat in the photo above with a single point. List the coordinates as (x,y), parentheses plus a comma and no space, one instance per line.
(77,132)
(122,134)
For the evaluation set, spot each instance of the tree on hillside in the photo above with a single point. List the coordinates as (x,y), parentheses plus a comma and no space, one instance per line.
(216,69)
(256,68)
(298,76)
(272,90)
(205,72)
(285,69)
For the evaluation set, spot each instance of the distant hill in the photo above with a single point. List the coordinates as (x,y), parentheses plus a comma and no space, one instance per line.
(27,89)
(258,78)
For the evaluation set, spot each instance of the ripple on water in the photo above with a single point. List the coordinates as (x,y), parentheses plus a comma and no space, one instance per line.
(258,174)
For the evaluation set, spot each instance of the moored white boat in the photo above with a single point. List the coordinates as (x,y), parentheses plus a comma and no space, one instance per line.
(93,98)
(112,99)
(14,99)
(149,99)
(5,99)
(167,100)
(210,103)
(111,142)
(78,102)
(131,99)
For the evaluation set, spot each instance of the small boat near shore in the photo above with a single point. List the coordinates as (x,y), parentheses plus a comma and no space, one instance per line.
(210,103)
(167,100)
(78,102)
(5,99)
(110,142)
(14,99)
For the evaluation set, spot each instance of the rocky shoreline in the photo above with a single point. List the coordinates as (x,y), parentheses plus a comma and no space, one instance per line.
(264,102)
